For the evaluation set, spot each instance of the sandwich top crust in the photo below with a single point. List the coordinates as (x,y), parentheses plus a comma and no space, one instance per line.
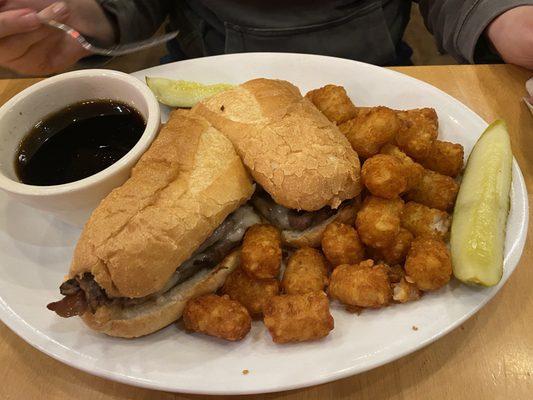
(180,191)
(291,149)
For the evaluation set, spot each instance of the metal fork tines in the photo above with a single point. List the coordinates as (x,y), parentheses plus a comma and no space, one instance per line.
(117,50)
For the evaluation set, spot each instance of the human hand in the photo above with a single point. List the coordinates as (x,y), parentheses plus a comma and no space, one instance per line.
(511,34)
(29,47)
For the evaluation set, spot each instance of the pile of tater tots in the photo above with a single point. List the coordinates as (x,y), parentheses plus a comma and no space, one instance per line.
(393,252)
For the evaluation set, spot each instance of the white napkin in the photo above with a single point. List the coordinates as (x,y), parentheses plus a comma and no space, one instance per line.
(529,98)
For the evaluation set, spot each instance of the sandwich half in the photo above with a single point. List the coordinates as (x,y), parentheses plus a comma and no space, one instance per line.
(166,235)
(307,172)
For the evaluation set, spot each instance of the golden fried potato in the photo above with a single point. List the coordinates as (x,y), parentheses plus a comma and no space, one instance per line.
(341,245)
(251,293)
(306,271)
(333,102)
(396,252)
(421,220)
(371,129)
(394,272)
(378,221)
(403,291)
(384,176)
(298,317)
(360,285)
(261,251)
(217,316)
(434,190)
(419,130)
(445,158)
(428,263)
(413,171)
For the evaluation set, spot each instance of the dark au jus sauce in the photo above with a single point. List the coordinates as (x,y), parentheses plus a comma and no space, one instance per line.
(78,141)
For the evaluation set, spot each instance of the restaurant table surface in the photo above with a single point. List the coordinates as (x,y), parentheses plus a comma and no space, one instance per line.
(490,356)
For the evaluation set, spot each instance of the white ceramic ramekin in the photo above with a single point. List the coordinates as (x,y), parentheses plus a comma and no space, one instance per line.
(72,202)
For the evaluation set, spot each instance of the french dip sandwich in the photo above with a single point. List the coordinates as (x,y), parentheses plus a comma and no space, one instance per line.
(307,170)
(167,235)
(171,232)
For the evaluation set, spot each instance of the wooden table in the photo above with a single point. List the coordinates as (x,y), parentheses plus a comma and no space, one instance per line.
(488,357)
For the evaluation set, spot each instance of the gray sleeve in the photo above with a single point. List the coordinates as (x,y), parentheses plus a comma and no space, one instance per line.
(136,19)
(458,25)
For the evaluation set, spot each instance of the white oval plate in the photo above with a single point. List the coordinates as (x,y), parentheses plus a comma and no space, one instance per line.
(35,251)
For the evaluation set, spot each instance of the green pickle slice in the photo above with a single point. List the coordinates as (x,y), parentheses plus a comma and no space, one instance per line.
(178,93)
(481,210)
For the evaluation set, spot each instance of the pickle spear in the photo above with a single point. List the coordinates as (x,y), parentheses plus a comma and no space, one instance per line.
(177,93)
(480,213)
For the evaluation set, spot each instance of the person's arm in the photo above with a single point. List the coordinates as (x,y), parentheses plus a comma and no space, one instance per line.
(29,47)
(136,19)
(511,34)
(459,26)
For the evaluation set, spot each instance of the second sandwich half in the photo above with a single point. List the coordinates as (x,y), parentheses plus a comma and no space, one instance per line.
(307,171)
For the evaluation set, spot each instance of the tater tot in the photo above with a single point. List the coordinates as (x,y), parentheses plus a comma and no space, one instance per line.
(371,129)
(394,272)
(396,252)
(378,221)
(341,244)
(421,220)
(333,102)
(217,316)
(428,264)
(360,285)
(384,176)
(434,190)
(419,130)
(403,291)
(306,271)
(251,293)
(413,171)
(445,158)
(261,251)
(298,317)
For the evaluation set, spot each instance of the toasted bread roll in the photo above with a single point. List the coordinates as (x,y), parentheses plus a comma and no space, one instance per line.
(291,149)
(181,189)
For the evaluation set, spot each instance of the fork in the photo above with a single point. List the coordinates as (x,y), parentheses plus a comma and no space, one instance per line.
(117,50)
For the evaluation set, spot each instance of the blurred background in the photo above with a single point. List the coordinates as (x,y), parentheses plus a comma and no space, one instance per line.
(425,51)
